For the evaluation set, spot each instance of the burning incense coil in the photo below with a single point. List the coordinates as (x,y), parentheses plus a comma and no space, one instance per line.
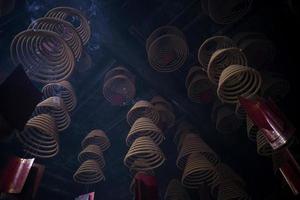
(144,149)
(263,146)
(45,56)
(223,58)
(119,86)
(198,170)
(167,49)
(236,81)
(64,90)
(96,137)
(55,107)
(64,29)
(176,191)
(142,109)
(144,127)
(251,129)
(39,136)
(165,111)
(199,88)
(89,172)
(210,46)
(92,152)
(76,18)
(229,190)
(227,12)
(193,144)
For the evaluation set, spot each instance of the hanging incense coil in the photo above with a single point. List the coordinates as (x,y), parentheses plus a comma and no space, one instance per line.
(167,49)
(119,86)
(259,50)
(198,170)
(223,58)
(6,7)
(193,144)
(144,149)
(175,191)
(165,111)
(140,162)
(55,107)
(89,172)
(96,137)
(251,129)
(39,136)
(199,88)
(228,12)
(229,190)
(142,109)
(211,45)
(64,90)
(263,146)
(64,29)
(45,56)
(92,152)
(144,127)
(73,16)
(236,81)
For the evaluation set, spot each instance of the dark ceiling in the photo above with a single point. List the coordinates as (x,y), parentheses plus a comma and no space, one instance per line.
(119,30)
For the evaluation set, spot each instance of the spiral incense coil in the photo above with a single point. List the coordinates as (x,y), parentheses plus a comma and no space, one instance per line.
(89,172)
(165,111)
(64,90)
(144,127)
(167,49)
(142,109)
(226,121)
(39,136)
(92,152)
(199,88)
(175,191)
(193,144)
(263,146)
(140,162)
(119,86)
(227,12)
(210,46)
(45,56)
(251,129)
(144,149)
(64,29)
(198,170)
(236,81)
(96,137)
(229,191)
(55,107)
(69,14)
(223,58)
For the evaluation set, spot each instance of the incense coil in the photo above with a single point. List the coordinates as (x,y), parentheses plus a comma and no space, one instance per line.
(165,111)
(64,29)
(119,86)
(96,137)
(64,13)
(198,170)
(142,109)
(64,90)
(144,149)
(228,12)
(144,127)
(259,50)
(140,162)
(45,56)
(167,49)
(211,45)
(39,136)
(199,88)
(193,144)
(92,152)
(230,190)
(236,81)
(223,58)
(55,107)
(175,191)
(251,129)
(89,172)
(263,146)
